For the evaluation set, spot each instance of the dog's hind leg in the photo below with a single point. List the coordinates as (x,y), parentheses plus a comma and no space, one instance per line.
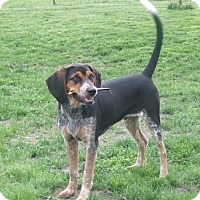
(72,151)
(132,124)
(160,144)
(162,154)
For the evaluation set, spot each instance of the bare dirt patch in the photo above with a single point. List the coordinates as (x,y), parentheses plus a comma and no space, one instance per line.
(34,138)
(5,123)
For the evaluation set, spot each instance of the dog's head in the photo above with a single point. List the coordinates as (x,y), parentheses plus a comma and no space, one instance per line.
(77,83)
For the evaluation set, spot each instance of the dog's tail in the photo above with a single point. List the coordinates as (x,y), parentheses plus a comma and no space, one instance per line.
(149,70)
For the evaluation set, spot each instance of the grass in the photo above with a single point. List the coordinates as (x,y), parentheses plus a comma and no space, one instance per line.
(117,38)
(181,5)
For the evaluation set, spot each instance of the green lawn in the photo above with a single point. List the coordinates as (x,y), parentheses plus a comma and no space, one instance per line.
(117,38)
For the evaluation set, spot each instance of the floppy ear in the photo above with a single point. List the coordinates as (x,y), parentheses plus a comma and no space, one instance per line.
(57,85)
(97,77)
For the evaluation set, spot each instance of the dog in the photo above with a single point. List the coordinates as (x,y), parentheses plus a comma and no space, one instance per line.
(87,108)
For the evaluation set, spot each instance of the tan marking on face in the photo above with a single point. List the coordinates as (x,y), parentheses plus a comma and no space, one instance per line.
(78,86)
(78,74)
(73,87)
(89,74)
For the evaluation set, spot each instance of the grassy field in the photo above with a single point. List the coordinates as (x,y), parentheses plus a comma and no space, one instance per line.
(117,38)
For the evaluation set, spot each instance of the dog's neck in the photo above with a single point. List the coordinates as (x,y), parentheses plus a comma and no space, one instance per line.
(73,103)
(72,112)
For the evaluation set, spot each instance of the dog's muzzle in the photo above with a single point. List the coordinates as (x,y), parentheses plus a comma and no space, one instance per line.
(87,97)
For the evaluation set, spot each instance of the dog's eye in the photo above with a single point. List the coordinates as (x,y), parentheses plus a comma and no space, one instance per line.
(91,78)
(76,79)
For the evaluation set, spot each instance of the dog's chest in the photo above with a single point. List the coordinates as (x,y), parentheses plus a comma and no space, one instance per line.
(73,121)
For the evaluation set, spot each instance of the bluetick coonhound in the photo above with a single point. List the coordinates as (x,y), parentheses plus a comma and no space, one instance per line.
(86,109)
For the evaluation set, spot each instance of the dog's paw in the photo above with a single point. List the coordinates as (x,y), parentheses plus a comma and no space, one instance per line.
(81,198)
(163,173)
(84,194)
(135,165)
(68,192)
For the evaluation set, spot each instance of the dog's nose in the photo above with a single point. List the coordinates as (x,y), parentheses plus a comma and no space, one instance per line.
(91,91)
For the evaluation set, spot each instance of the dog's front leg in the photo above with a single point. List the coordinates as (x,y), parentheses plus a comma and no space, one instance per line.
(88,171)
(72,151)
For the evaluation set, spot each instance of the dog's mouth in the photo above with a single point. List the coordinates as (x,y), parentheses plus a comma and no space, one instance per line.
(86,100)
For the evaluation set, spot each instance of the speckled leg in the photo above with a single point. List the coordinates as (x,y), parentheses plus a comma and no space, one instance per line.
(160,144)
(163,158)
(72,150)
(88,172)
(132,124)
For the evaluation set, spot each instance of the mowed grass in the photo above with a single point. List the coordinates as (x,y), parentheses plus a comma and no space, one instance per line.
(117,38)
